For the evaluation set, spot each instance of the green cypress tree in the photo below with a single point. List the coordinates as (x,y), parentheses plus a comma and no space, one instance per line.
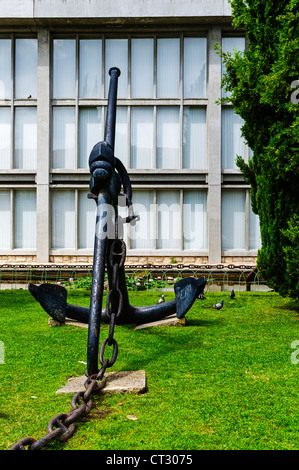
(263,82)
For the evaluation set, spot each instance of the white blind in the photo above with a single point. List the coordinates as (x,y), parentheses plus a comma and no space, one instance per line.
(121,134)
(63,219)
(233,220)
(195,220)
(168,137)
(254,231)
(90,68)
(194,138)
(142,68)
(5,69)
(87,221)
(142,129)
(5,217)
(232,143)
(168,219)
(25,152)
(64,68)
(142,234)
(25,68)
(231,44)
(195,67)
(25,219)
(5,137)
(168,68)
(64,137)
(116,55)
(90,132)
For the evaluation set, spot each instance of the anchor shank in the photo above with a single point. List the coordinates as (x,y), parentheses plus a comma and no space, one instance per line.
(97,287)
(109,136)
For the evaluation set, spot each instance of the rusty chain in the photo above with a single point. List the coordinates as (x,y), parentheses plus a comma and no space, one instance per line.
(62,426)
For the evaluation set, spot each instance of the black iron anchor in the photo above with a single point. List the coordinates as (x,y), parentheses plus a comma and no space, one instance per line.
(108,176)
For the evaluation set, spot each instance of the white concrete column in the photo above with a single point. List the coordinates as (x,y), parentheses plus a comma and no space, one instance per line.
(43,147)
(214,147)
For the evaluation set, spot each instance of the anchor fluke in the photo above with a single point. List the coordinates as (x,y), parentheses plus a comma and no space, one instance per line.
(52,298)
(186,291)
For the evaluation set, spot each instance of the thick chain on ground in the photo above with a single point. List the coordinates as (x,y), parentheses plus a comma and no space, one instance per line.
(62,426)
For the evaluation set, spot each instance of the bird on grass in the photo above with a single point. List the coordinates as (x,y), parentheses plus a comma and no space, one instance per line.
(161,300)
(232,294)
(219,305)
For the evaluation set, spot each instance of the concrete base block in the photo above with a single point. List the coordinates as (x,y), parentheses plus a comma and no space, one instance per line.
(133,381)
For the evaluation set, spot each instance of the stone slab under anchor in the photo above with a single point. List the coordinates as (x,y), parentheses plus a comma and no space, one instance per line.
(133,381)
(171,320)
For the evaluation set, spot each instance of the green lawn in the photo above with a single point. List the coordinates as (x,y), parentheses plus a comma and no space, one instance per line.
(224,381)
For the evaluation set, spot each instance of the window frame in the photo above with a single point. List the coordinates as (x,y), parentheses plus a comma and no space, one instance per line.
(12,195)
(14,102)
(129,102)
(246,251)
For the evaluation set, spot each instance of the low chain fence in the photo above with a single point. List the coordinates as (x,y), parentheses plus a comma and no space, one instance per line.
(139,277)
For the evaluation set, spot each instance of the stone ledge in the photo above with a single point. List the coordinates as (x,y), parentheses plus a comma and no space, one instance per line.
(133,381)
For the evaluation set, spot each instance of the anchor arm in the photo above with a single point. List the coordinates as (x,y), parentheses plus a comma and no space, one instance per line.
(53,300)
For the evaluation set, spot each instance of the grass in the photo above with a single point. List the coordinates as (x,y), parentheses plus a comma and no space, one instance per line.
(224,381)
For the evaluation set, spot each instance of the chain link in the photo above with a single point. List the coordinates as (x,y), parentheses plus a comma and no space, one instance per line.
(62,426)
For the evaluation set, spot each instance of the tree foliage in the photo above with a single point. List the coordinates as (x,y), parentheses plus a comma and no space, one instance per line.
(263,81)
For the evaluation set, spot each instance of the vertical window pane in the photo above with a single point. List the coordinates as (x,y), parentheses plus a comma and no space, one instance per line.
(142,234)
(25,219)
(121,134)
(63,219)
(232,143)
(5,217)
(26,68)
(64,68)
(5,138)
(231,45)
(142,68)
(194,138)
(168,68)
(195,67)
(64,137)
(233,220)
(25,151)
(254,231)
(168,219)
(142,137)
(90,68)
(168,137)
(116,55)
(87,221)
(195,220)
(90,132)
(5,69)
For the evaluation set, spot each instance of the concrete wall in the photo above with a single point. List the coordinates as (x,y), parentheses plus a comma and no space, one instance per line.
(38,9)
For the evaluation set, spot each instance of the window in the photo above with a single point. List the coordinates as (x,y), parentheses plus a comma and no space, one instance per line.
(18,219)
(162,121)
(18,113)
(73,220)
(231,44)
(232,142)
(240,227)
(169,219)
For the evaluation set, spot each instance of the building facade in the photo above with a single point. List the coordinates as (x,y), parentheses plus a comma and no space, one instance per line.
(178,145)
